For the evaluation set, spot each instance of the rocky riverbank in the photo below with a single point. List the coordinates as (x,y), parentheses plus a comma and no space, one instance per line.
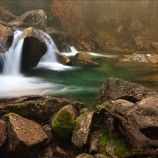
(122,123)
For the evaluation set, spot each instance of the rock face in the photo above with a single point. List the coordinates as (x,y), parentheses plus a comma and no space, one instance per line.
(145,113)
(64,121)
(35,18)
(6,34)
(7,16)
(23,133)
(85,58)
(115,88)
(83,128)
(3,134)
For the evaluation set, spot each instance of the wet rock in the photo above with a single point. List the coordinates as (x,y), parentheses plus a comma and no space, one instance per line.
(46,153)
(81,133)
(84,155)
(94,146)
(7,16)
(115,88)
(35,18)
(3,134)
(23,133)
(63,59)
(36,107)
(61,153)
(63,121)
(85,58)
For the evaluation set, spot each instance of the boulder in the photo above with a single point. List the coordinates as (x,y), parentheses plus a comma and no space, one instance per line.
(82,130)
(84,155)
(115,88)
(63,122)
(36,107)
(35,18)
(145,114)
(3,134)
(63,59)
(84,58)
(7,16)
(23,133)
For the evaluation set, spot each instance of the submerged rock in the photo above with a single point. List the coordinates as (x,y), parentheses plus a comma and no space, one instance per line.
(3,134)
(35,18)
(115,88)
(63,122)
(82,130)
(23,133)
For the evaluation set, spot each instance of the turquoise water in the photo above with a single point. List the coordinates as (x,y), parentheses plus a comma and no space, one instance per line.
(83,83)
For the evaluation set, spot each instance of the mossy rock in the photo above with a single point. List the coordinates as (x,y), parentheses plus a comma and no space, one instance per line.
(63,122)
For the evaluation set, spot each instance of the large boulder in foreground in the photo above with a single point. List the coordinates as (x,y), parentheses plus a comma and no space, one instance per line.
(64,121)
(115,88)
(35,18)
(23,133)
(82,131)
(3,134)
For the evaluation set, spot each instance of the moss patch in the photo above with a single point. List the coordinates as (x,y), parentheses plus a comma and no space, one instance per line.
(63,123)
(22,109)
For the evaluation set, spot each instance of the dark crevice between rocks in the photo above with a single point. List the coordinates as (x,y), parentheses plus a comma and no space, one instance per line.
(151,132)
(129,98)
(32,52)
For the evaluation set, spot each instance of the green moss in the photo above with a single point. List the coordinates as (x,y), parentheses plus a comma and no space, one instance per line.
(83,110)
(121,146)
(103,140)
(100,107)
(63,123)
(22,109)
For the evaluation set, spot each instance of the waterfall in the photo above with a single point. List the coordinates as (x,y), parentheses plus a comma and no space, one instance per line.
(12,58)
(49,59)
(72,53)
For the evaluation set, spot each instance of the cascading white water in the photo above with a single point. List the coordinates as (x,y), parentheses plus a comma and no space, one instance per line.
(72,53)
(12,58)
(49,59)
